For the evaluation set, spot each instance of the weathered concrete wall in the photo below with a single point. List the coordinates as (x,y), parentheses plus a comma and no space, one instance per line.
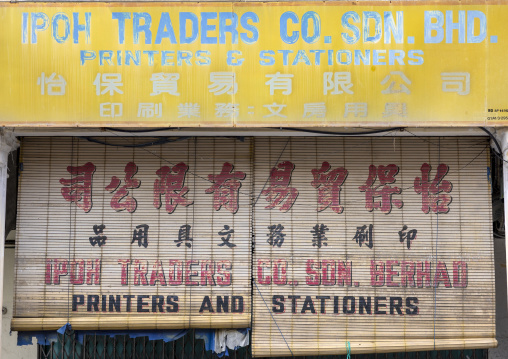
(501,352)
(9,348)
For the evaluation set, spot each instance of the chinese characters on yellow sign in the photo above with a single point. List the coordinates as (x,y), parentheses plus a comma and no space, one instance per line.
(237,64)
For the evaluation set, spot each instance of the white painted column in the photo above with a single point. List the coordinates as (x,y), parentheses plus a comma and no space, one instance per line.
(8,143)
(502,137)
(500,259)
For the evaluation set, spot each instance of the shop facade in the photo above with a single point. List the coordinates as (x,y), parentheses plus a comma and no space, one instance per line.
(310,179)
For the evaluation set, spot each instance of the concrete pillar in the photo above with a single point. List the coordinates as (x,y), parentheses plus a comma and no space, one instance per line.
(8,143)
(502,136)
(500,257)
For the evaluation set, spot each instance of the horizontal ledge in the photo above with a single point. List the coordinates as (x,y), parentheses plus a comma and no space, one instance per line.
(133,322)
(260,349)
(238,131)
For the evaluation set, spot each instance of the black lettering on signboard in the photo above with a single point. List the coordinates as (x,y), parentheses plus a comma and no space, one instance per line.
(411,309)
(308,305)
(237,304)
(395,306)
(223,304)
(172,304)
(278,300)
(346,308)
(293,302)
(140,304)
(129,302)
(335,305)
(206,305)
(114,302)
(157,302)
(365,305)
(93,301)
(378,305)
(77,299)
(323,299)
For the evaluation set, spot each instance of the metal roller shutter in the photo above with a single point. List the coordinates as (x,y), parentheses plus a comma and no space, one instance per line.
(55,279)
(353,278)
(382,243)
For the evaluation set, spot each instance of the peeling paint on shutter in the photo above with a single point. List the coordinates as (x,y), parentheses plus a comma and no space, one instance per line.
(170,284)
(385,243)
(332,272)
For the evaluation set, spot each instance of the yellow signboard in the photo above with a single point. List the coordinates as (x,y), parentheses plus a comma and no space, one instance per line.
(253,64)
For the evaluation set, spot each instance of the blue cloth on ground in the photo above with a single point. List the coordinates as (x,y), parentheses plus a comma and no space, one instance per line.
(231,338)
(48,337)
(165,335)
(208,335)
